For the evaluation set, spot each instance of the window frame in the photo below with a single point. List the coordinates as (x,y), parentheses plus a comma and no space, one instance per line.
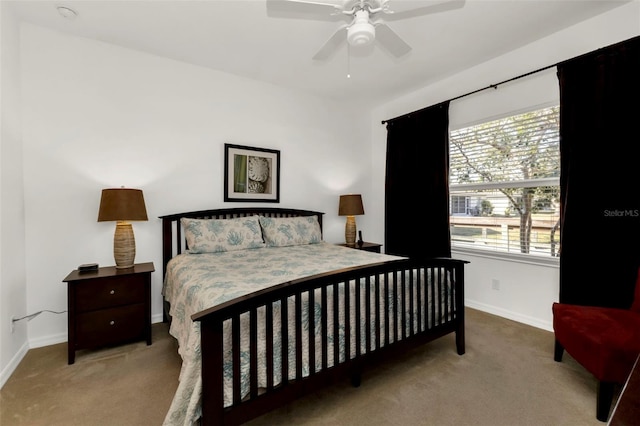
(542,182)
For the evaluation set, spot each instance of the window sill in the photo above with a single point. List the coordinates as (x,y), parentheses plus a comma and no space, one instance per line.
(510,257)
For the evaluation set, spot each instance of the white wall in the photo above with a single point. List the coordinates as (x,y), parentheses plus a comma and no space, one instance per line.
(97,116)
(13,290)
(526,290)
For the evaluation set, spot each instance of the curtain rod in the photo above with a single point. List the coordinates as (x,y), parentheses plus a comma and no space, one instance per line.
(491,86)
(495,86)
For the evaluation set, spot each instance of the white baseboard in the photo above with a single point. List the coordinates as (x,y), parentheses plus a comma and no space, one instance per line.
(13,364)
(52,339)
(534,322)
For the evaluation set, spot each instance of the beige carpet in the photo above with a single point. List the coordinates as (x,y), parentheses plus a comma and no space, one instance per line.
(507,377)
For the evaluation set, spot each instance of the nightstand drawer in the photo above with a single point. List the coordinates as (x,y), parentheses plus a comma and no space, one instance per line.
(108,326)
(109,292)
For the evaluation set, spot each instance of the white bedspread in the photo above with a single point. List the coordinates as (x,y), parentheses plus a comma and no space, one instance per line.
(195,282)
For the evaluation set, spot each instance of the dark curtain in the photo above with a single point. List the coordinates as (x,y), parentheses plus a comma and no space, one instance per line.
(417,186)
(600,175)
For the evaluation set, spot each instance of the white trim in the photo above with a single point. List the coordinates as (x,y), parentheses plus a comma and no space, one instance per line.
(524,319)
(13,364)
(525,183)
(52,339)
(553,262)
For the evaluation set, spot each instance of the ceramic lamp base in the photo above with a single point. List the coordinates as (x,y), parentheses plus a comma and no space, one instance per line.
(350,231)
(124,245)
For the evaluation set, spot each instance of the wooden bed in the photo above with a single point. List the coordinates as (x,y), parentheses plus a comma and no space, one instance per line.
(422,289)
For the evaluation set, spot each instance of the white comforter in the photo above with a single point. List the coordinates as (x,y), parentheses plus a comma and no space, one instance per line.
(195,282)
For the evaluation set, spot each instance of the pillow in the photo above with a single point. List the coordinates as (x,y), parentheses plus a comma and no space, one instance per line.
(219,235)
(290,231)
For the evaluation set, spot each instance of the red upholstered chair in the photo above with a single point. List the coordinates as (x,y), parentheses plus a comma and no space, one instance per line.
(605,341)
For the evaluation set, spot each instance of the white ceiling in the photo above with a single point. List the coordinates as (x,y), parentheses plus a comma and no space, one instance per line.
(240,38)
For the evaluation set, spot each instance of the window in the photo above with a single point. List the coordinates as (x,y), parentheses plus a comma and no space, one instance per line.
(504,185)
(459,205)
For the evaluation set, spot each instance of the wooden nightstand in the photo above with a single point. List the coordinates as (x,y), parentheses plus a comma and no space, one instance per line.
(373,247)
(108,307)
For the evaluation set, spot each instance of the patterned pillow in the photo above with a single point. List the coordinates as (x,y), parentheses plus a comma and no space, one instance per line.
(218,235)
(290,231)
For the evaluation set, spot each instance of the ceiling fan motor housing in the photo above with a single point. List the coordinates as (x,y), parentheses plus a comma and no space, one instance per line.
(361,32)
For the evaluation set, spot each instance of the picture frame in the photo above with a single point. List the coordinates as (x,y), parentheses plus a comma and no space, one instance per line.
(251,174)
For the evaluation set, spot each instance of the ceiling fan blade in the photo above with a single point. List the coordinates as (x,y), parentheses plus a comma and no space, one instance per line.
(330,47)
(396,10)
(304,10)
(391,41)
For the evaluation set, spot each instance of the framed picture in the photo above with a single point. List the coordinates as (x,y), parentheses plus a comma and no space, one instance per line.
(251,174)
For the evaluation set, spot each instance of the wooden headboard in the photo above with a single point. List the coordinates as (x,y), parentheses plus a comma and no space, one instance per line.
(172,237)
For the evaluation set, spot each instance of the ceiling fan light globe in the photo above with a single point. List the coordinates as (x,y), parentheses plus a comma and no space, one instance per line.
(361,34)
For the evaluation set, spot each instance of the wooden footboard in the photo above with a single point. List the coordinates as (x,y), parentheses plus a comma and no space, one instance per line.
(331,325)
(381,309)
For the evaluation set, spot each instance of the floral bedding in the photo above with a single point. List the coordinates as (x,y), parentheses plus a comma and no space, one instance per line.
(195,282)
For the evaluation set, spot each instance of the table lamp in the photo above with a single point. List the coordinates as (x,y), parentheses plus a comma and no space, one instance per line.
(350,206)
(122,205)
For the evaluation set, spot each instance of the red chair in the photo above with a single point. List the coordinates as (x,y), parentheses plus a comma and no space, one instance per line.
(605,341)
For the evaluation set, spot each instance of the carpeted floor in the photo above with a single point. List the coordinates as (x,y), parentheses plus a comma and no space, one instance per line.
(507,377)
(126,385)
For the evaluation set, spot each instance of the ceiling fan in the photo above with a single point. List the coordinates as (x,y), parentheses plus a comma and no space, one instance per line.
(365,20)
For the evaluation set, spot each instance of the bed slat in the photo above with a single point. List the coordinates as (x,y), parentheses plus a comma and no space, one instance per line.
(253,353)
(269,344)
(284,338)
(235,326)
(298,325)
(311,337)
(325,333)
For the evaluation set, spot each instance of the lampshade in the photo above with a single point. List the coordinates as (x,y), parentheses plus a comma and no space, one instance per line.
(350,205)
(122,205)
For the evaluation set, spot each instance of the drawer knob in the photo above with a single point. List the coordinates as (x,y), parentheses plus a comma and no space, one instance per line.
(112,323)
(112,292)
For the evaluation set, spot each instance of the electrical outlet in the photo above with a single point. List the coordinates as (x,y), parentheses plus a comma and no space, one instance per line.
(11,322)
(495,284)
